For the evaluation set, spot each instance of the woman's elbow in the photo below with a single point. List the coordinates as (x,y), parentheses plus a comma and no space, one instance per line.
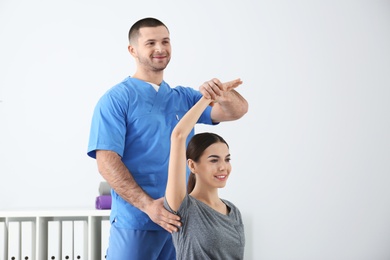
(177,134)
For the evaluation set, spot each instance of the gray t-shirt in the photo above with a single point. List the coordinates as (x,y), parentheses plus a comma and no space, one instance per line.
(206,233)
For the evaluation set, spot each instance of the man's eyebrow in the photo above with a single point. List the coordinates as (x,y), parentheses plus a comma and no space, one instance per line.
(153,40)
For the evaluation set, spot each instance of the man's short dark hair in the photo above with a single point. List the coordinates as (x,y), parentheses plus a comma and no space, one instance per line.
(145,22)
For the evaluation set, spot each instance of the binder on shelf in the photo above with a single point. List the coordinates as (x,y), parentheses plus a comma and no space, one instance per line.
(67,239)
(27,239)
(3,238)
(14,240)
(54,237)
(105,233)
(80,243)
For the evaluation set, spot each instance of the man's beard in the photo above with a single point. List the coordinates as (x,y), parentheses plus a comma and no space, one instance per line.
(154,66)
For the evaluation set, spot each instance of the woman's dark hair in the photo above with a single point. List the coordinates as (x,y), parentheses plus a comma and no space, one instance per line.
(195,149)
(145,22)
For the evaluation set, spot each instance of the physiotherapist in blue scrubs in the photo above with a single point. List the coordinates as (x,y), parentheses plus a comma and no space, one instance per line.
(130,139)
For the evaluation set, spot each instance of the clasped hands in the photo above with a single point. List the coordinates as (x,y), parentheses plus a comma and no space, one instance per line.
(216,90)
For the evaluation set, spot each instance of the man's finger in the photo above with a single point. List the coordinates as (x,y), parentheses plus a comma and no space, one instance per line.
(231,84)
(215,87)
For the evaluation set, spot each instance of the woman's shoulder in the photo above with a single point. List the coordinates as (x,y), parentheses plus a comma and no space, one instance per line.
(229,203)
(233,208)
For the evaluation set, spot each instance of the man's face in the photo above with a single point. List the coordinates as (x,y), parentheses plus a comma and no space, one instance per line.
(152,49)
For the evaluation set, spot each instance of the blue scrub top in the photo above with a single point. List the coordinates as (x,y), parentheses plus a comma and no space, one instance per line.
(136,121)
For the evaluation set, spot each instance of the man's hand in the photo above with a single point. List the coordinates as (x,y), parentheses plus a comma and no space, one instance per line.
(159,215)
(214,89)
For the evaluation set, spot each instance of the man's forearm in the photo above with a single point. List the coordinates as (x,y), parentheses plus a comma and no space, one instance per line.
(120,179)
(230,106)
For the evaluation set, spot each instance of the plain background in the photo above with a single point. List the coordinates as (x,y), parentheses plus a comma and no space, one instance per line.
(311,159)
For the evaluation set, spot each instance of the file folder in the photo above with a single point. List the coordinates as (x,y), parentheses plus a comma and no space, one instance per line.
(67,239)
(14,240)
(27,239)
(80,240)
(105,236)
(54,237)
(3,238)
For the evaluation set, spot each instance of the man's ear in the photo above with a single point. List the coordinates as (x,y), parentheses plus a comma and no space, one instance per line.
(132,51)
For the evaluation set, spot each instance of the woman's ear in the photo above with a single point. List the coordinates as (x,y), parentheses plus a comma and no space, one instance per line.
(191,165)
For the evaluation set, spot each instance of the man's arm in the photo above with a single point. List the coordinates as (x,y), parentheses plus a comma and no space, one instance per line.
(120,179)
(229,104)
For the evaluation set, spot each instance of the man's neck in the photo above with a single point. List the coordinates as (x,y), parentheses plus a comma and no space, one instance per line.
(151,76)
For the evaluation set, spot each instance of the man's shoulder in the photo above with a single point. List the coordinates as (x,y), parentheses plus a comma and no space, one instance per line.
(126,85)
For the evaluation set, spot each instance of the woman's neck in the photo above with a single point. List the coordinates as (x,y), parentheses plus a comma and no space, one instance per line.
(210,198)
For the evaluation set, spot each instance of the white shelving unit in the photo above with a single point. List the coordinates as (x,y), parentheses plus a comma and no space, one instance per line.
(53,234)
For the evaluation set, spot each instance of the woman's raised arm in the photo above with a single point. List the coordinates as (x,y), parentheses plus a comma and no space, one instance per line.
(176,187)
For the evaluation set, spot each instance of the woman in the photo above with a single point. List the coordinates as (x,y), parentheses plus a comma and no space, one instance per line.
(211,228)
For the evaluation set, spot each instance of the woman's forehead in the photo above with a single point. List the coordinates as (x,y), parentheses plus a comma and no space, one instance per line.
(220,149)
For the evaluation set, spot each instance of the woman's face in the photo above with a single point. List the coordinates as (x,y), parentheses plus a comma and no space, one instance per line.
(213,167)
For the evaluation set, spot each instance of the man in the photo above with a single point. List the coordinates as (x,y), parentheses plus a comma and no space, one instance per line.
(130,136)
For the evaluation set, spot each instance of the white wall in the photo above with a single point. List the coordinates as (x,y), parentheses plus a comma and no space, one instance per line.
(311,158)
